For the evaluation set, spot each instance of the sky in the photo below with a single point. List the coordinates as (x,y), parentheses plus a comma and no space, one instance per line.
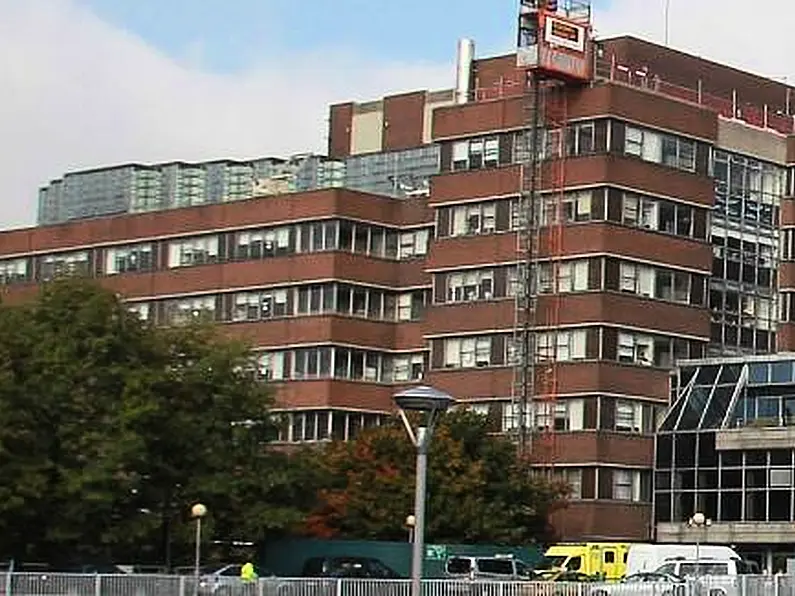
(91,83)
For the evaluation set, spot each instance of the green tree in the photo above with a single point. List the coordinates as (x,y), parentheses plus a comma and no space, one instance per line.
(478,489)
(110,429)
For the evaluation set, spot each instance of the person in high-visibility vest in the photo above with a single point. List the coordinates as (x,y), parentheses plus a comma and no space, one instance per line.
(248,573)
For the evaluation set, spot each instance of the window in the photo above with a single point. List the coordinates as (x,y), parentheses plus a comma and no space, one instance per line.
(661,148)
(410,306)
(323,425)
(657,214)
(562,346)
(623,485)
(312,363)
(316,299)
(573,207)
(316,236)
(656,282)
(413,244)
(572,276)
(478,153)
(572,477)
(140,309)
(255,306)
(406,367)
(473,219)
(185,310)
(270,366)
(124,259)
(551,415)
(470,286)
(359,365)
(14,271)
(635,349)
(265,243)
(66,264)
(193,251)
(469,352)
(629,416)
(580,138)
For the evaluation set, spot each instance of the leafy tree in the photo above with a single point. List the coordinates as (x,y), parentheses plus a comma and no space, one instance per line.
(110,429)
(478,489)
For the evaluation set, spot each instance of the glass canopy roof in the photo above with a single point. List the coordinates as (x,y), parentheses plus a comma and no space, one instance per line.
(732,393)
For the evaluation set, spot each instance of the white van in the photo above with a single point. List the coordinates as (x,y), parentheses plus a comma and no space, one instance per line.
(648,557)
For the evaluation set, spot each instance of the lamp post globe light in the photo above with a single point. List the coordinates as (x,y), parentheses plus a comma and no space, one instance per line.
(198,511)
(430,403)
(410,522)
(699,521)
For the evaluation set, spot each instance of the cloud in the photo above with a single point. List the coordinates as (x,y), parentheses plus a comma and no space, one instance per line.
(728,31)
(80,93)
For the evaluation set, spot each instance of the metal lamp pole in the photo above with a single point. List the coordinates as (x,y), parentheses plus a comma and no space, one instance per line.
(198,511)
(699,521)
(431,403)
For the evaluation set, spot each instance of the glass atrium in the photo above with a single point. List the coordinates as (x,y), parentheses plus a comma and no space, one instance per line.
(712,396)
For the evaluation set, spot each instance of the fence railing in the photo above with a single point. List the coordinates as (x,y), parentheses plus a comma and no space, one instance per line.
(45,584)
(732,106)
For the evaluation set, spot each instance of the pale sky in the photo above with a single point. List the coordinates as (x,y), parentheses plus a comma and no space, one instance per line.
(90,83)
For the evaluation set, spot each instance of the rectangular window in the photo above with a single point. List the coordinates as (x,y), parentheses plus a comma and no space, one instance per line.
(473,219)
(186,310)
(270,366)
(468,352)
(125,259)
(193,251)
(470,286)
(406,367)
(662,148)
(414,244)
(14,271)
(623,485)
(572,276)
(255,306)
(67,264)
(563,346)
(629,416)
(636,348)
(140,309)
(476,153)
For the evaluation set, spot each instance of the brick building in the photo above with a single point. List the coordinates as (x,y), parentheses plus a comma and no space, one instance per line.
(677,187)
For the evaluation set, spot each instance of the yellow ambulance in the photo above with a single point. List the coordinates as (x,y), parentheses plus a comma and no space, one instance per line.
(605,560)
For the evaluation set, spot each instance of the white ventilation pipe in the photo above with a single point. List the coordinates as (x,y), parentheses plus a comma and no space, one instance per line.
(463,75)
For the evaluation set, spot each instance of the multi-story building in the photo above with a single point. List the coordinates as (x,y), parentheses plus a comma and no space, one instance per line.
(137,188)
(675,179)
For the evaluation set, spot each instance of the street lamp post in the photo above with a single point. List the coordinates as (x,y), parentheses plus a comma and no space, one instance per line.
(430,403)
(198,511)
(699,521)
(411,521)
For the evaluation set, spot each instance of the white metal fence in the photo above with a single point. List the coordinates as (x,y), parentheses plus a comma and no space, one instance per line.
(45,584)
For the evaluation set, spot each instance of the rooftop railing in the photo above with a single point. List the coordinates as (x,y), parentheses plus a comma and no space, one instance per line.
(731,107)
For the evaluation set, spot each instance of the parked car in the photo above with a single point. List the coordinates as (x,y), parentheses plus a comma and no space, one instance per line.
(360,567)
(487,568)
(321,575)
(644,584)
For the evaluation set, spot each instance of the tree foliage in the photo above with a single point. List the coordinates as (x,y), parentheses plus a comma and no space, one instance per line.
(478,489)
(110,429)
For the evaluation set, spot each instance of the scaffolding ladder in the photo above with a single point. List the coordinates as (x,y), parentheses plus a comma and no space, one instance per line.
(539,246)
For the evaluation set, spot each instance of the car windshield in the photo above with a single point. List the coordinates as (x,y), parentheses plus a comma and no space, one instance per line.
(552,562)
